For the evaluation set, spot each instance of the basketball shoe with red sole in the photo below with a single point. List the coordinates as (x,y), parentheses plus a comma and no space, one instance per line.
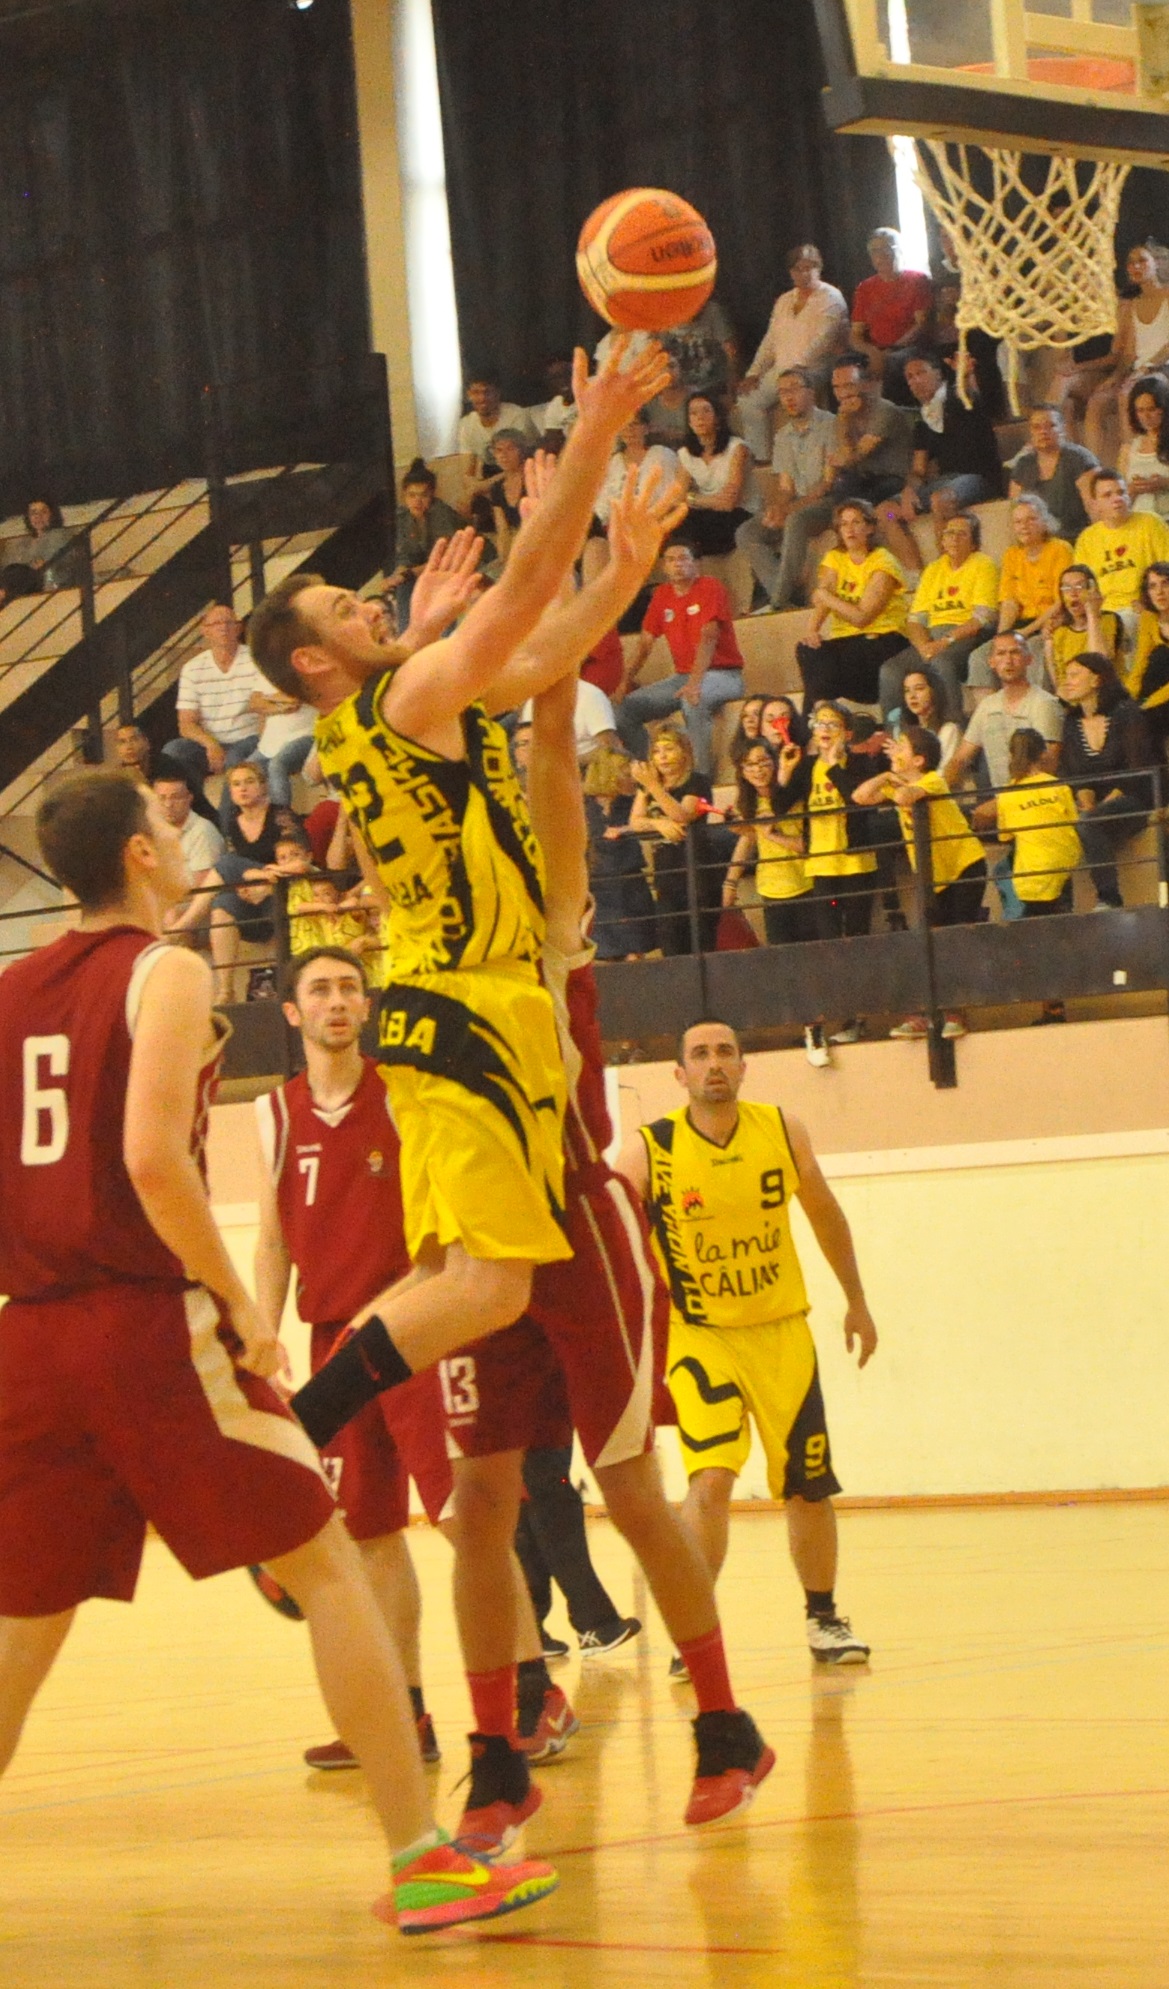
(445,1887)
(555,1725)
(733,1759)
(334,1753)
(500,1800)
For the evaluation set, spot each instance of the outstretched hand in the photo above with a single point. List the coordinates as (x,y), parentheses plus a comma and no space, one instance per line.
(614,394)
(539,470)
(447,584)
(641,518)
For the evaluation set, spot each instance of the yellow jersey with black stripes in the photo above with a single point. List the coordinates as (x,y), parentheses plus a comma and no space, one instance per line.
(721,1218)
(452,839)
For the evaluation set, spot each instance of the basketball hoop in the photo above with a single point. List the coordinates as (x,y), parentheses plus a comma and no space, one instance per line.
(1036,265)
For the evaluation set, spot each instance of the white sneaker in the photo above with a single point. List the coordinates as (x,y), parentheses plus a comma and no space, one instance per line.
(953,1026)
(831,1641)
(816,1049)
(851,1033)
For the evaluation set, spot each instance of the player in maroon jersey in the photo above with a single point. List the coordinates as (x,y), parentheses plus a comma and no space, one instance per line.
(601,1313)
(331,1207)
(135,1370)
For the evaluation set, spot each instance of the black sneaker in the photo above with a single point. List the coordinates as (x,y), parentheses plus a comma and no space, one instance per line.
(500,1800)
(609,1637)
(679,1673)
(276,1597)
(733,1758)
(552,1649)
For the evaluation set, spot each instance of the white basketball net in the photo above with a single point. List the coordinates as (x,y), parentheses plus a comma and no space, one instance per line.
(1036,267)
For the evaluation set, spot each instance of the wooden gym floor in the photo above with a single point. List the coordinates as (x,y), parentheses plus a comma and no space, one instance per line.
(988,1804)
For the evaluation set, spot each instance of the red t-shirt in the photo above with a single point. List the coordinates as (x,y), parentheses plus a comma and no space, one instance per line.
(888,305)
(681,618)
(605,665)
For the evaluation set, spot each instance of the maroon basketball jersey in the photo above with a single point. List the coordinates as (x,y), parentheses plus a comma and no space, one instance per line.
(69,1216)
(588,1131)
(338,1194)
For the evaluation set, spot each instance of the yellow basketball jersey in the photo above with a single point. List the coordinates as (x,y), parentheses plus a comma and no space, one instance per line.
(721,1218)
(452,839)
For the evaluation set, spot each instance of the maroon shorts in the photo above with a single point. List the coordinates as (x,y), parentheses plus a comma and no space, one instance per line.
(605,1313)
(123,1405)
(505,1393)
(398,1437)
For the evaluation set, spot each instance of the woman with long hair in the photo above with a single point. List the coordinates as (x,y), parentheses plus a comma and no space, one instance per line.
(747,729)
(860,612)
(923,703)
(1104,755)
(670,803)
(717,465)
(775,840)
(1144,459)
(1148,679)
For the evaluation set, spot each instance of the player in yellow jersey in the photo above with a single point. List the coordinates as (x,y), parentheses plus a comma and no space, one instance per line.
(467,1040)
(718,1177)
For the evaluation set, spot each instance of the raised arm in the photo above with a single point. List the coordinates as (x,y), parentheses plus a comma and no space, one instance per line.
(556,805)
(433,687)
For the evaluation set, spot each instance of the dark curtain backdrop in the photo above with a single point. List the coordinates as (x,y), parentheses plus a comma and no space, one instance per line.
(179,203)
(549,106)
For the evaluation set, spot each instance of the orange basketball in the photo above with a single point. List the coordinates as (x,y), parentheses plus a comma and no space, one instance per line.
(646,260)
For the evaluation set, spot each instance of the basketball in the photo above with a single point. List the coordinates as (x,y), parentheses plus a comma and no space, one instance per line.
(646,260)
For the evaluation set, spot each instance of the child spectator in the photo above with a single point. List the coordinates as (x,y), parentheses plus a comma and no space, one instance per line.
(624,927)
(775,841)
(1120,545)
(318,915)
(1038,816)
(923,702)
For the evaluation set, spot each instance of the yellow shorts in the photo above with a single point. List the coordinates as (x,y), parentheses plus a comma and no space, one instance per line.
(723,1378)
(476,1086)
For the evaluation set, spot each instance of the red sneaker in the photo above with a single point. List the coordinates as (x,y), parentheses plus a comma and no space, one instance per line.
(444,1886)
(501,1797)
(335,1754)
(554,1727)
(733,1758)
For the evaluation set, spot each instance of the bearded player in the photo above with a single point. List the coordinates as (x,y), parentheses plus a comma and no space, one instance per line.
(134,1368)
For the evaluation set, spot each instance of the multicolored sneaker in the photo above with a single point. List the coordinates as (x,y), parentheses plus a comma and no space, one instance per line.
(733,1758)
(500,1800)
(444,1886)
(832,1640)
(335,1754)
(545,1730)
(276,1597)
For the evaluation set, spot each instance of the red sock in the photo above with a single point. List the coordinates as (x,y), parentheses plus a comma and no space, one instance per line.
(706,1661)
(493,1700)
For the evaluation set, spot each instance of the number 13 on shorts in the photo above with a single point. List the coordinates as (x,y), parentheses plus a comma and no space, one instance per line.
(460,1390)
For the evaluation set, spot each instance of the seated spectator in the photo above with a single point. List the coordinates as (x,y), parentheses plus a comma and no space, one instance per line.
(672,797)
(634,451)
(604,665)
(217,717)
(957,863)
(1106,741)
(1120,545)
(44,558)
(799,462)
(1028,585)
(625,920)
(693,612)
(1080,621)
(1056,470)
(132,752)
(246,870)
(557,415)
(923,703)
(596,725)
(318,914)
(704,352)
(1148,679)
(955,455)
(203,846)
(869,458)
(1037,815)
(1098,391)
(892,311)
(423,519)
(1144,459)
(995,721)
(858,613)
(773,841)
(747,729)
(807,328)
(477,431)
(720,483)
(780,725)
(504,491)
(955,604)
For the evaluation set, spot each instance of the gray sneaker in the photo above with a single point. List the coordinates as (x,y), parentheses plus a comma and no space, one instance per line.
(832,1640)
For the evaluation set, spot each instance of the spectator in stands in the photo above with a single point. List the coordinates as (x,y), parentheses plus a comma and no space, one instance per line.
(1106,741)
(203,846)
(705,352)
(672,797)
(995,721)
(504,491)
(285,743)
(955,604)
(423,519)
(693,612)
(1056,470)
(604,665)
(955,454)
(1144,459)
(625,922)
(1120,545)
(557,415)
(747,729)
(39,561)
(773,840)
(245,871)
(800,465)
(217,716)
(923,703)
(807,328)
(1037,815)
(891,311)
(132,752)
(1098,391)
(596,725)
(720,479)
(1080,622)
(634,451)
(822,782)
(1148,679)
(489,412)
(1028,586)
(859,609)
(780,724)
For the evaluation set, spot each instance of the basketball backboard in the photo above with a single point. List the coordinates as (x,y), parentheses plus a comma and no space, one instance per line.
(1086,78)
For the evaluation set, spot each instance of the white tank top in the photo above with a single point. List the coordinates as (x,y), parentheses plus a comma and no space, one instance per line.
(1148,339)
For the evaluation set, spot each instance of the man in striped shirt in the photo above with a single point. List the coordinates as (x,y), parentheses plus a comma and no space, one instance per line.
(219,722)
